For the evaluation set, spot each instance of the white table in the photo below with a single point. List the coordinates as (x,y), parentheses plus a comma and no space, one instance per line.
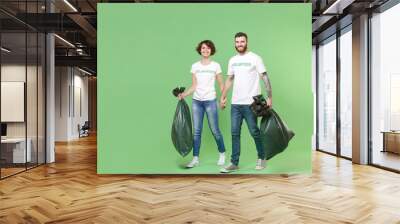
(19,155)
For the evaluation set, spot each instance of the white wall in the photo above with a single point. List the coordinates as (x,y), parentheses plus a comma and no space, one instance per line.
(62,81)
(15,72)
(9,73)
(70,84)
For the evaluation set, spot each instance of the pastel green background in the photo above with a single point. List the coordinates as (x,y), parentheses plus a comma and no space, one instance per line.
(146,50)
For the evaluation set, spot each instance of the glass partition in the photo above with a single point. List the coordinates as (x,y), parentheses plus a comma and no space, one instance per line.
(22,77)
(327,95)
(346,93)
(385,89)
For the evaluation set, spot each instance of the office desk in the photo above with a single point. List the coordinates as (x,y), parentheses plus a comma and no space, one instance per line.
(15,148)
(391,141)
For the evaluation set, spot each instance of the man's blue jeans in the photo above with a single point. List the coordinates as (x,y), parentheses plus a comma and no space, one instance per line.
(238,113)
(210,108)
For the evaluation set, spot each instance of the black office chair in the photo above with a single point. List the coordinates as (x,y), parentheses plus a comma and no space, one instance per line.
(84,130)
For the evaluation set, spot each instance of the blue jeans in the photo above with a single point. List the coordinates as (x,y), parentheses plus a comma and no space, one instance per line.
(210,108)
(238,113)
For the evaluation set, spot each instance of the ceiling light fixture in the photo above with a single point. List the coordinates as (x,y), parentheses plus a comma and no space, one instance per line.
(64,40)
(70,5)
(84,71)
(5,50)
(332,9)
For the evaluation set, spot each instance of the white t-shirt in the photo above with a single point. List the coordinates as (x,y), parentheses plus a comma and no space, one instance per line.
(246,83)
(205,76)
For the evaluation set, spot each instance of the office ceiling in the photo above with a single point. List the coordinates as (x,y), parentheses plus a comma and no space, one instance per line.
(76,21)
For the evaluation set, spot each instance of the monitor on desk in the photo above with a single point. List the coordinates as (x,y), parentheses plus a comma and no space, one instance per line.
(3,130)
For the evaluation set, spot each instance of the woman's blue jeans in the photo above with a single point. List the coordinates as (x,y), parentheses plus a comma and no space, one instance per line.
(208,107)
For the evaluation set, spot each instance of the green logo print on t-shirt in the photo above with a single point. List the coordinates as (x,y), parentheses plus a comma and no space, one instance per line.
(206,71)
(246,64)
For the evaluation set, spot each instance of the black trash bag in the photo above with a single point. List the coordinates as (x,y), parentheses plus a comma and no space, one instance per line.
(178,90)
(181,132)
(259,106)
(275,135)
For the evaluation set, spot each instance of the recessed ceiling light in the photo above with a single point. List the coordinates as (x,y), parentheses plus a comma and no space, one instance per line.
(5,50)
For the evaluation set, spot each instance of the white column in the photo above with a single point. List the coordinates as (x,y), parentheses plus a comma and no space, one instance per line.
(360,90)
(50,92)
(50,100)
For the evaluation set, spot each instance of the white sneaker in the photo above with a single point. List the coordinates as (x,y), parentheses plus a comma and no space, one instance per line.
(229,169)
(193,163)
(221,160)
(261,163)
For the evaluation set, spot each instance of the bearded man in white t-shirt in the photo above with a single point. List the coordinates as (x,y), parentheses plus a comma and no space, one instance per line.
(244,71)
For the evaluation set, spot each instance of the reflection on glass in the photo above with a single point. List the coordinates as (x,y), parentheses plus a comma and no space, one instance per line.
(22,90)
(14,150)
(346,94)
(327,96)
(386,89)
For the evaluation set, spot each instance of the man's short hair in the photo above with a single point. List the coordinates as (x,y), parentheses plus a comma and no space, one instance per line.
(241,34)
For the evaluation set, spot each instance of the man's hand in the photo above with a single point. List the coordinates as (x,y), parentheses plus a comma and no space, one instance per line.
(269,102)
(181,96)
(223,102)
(268,88)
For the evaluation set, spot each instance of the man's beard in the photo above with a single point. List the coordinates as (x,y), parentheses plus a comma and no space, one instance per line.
(244,49)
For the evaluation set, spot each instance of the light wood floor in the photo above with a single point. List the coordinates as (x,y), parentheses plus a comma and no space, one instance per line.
(5,172)
(10,171)
(70,191)
(387,159)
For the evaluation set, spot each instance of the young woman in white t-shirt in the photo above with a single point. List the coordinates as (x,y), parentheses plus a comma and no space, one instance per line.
(204,74)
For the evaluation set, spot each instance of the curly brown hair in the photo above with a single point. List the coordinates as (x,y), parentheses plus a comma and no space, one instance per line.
(209,44)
